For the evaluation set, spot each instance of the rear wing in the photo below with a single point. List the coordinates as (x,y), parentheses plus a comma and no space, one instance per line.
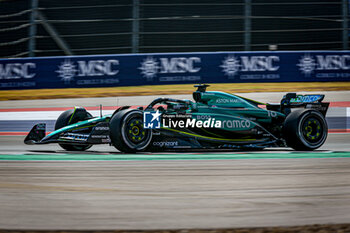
(300,99)
(292,100)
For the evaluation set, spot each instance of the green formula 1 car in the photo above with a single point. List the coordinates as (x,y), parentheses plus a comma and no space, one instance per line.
(214,120)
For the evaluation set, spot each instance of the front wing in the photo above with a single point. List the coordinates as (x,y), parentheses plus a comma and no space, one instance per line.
(96,134)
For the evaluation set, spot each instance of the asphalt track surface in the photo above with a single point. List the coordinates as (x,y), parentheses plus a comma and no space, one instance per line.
(269,97)
(227,190)
(44,187)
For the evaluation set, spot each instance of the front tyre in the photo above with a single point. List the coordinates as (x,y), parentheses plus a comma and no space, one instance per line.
(305,129)
(70,117)
(127,133)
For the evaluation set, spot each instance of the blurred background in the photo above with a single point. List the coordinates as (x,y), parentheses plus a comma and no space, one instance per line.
(79,27)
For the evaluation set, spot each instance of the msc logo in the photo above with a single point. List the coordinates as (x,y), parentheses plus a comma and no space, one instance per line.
(68,70)
(17,70)
(150,66)
(151,120)
(308,63)
(231,65)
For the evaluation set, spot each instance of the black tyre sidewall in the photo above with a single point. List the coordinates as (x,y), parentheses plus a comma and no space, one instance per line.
(117,132)
(62,121)
(293,132)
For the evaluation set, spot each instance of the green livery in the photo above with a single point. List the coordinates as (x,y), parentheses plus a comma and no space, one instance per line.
(213,120)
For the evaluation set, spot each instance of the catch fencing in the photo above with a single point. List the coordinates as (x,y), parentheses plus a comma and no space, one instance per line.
(38,28)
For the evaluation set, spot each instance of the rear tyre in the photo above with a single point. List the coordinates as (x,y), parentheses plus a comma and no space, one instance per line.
(127,133)
(305,129)
(66,119)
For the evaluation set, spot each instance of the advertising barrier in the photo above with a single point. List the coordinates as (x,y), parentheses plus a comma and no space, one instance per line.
(174,68)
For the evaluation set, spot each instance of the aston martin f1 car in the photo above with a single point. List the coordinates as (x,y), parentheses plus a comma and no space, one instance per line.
(214,120)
